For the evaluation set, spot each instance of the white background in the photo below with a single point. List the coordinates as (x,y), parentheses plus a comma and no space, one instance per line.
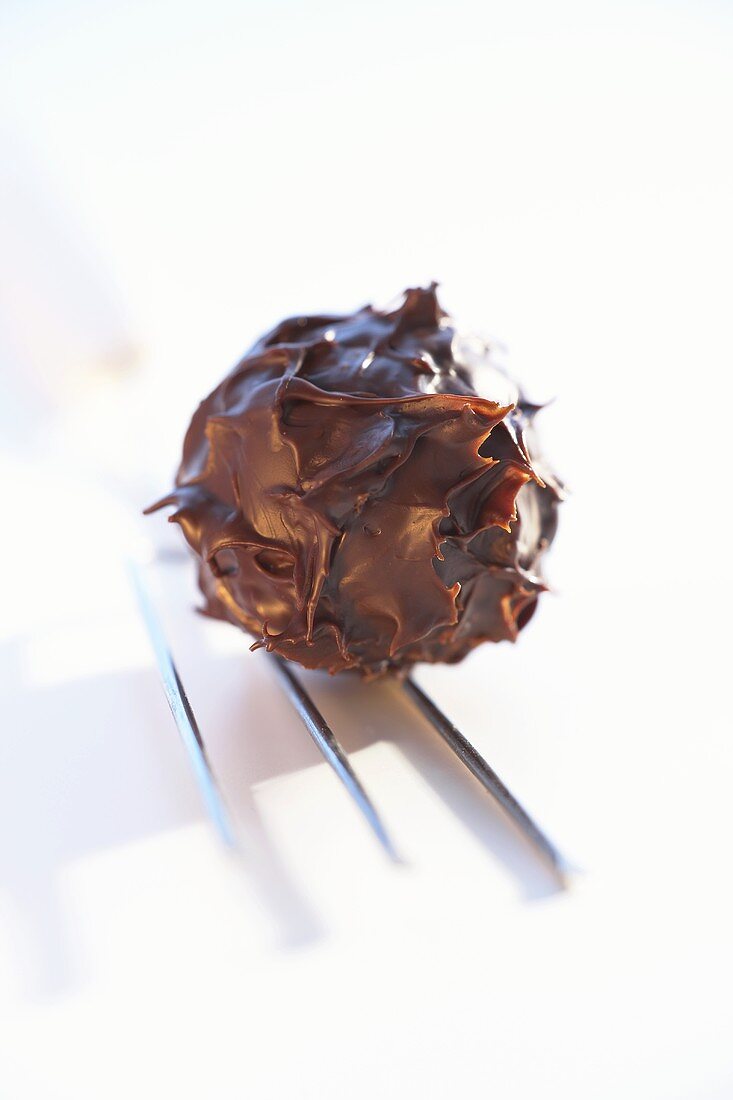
(175,178)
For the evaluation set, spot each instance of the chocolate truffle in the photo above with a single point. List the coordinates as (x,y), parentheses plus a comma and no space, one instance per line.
(363,492)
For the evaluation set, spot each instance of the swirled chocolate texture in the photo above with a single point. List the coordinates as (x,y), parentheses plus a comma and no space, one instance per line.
(355,503)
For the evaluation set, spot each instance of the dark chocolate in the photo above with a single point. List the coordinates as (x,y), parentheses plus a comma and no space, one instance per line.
(354,502)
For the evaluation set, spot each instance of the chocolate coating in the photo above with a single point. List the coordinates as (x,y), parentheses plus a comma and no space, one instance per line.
(354,502)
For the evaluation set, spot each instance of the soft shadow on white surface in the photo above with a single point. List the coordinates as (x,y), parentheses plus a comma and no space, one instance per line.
(79,759)
(93,764)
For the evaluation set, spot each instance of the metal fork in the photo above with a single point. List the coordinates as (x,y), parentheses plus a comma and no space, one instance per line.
(329,746)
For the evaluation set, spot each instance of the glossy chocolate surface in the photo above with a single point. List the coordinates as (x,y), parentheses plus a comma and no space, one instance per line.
(353,500)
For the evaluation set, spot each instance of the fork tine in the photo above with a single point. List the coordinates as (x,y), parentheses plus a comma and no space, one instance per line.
(184,717)
(486,775)
(332,751)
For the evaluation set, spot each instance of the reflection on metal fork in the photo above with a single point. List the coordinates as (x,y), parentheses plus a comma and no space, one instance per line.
(332,751)
(486,775)
(184,717)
